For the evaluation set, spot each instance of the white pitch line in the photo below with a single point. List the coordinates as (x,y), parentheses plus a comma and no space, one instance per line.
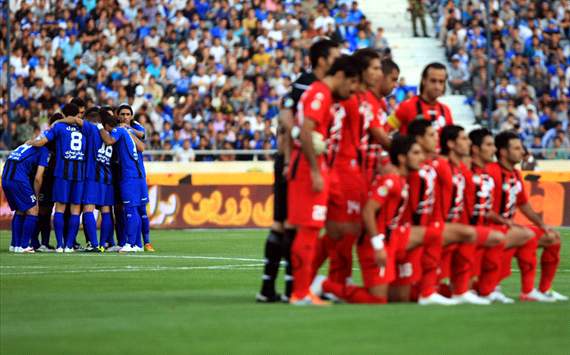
(135,269)
(167,256)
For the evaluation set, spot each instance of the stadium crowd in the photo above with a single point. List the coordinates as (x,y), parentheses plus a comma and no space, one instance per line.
(198,74)
(530,59)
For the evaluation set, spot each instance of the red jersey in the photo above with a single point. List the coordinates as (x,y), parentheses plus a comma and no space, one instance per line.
(452,182)
(438,114)
(509,190)
(479,195)
(391,192)
(423,188)
(345,139)
(373,115)
(316,104)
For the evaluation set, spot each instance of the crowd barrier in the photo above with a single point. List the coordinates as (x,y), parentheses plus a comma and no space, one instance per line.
(234,197)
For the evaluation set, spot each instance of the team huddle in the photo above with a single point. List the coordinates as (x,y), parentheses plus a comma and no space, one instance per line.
(428,206)
(88,159)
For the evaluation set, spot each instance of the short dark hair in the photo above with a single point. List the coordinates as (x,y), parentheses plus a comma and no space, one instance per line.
(125,107)
(478,135)
(425,72)
(401,145)
(448,133)
(107,118)
(388,66)
(364,57)
(418,128)
(77,101)
(92,113)
(321,49)
(346,64)
(107,108)
(70,110)
(503,139)
(56,116)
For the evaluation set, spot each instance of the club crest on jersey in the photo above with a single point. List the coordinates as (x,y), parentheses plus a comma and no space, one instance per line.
(383,191)
(316,105)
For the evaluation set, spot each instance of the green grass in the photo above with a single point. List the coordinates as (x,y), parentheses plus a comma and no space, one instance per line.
(196,296)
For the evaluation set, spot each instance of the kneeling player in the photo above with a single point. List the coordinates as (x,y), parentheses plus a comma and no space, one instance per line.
(389,236)
(509,195)
(24,165)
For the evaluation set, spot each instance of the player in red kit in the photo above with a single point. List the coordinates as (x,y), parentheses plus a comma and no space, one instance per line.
(420,265)
(509,196)
(425,105)
(309,173)
(360,115)
(479,205)
(389,235)
(458,259)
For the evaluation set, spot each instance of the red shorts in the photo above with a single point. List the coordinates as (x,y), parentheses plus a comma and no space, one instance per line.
(372,274)
(306,207)
(347,195)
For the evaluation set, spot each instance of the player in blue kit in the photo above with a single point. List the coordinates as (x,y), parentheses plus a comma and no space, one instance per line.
(131,181)
(98,183)
(69,175)
(125,114)
(21,181)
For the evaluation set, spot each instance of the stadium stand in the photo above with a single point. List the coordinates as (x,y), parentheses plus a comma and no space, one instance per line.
(200,75)
(530,54)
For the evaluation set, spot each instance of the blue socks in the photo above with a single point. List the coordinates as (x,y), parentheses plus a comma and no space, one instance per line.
(58,225)
(30,224)
(132,223)
(90,226)
(17,225)
(72,229)
(145,224)
(106,230)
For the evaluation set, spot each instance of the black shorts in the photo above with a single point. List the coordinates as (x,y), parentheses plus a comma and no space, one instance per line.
(45,195)
(279,190)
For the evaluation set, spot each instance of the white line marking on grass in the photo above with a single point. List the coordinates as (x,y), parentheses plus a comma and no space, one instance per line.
(130,268)
(169,257)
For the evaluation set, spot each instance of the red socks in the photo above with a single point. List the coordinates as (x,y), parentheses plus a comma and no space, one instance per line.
(548,264)
(341,259)
(526,257)
(430,260)
(351,293)
(321,253)
(461,266)
(302,257)
(490,270)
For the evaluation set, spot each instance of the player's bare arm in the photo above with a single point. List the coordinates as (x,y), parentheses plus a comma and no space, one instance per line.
(369,217)
(308,148)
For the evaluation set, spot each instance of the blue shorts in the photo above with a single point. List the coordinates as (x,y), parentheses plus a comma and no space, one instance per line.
(98,193)
(20,195)
(67,191)
(134,192)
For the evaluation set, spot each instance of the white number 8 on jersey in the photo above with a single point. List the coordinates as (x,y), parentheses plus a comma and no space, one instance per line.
(76,141)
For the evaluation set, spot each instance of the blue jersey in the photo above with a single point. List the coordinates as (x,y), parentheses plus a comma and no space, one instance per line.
(69,151)
(140,128)
(98,162)
(127,155)
(22,163)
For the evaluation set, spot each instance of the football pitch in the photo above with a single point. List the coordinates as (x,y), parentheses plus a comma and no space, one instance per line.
(196,295)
